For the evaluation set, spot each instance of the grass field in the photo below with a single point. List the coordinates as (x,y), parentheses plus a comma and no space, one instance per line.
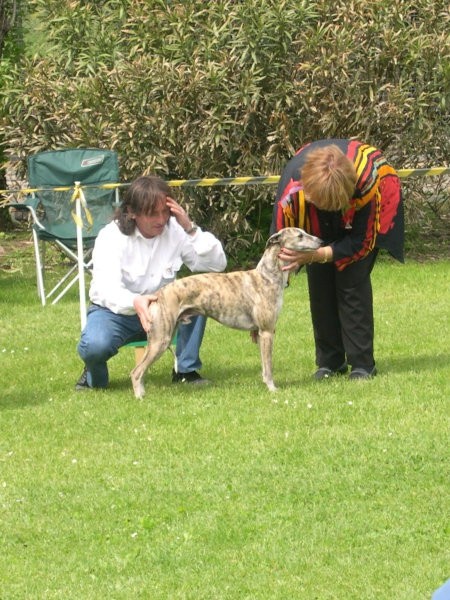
(332,490)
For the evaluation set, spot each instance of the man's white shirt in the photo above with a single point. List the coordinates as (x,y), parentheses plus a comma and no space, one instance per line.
(125,266)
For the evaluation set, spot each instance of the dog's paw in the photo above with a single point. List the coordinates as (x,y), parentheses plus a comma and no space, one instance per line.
(139,390)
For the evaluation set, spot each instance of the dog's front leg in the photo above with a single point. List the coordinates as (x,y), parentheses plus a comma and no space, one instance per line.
(265,348)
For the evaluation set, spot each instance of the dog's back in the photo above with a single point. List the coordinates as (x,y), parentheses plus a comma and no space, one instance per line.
(236,299)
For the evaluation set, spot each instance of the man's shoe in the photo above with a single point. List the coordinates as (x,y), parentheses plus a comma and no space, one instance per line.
(82,383)
(326,373)
(191,377)
(359,373)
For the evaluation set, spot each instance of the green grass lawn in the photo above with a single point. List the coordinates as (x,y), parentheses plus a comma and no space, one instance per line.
(330,490)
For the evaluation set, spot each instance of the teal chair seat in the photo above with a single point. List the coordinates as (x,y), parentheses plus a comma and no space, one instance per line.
(140,346)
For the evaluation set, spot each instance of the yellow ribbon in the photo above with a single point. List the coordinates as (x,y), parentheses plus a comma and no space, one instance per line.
(78,194)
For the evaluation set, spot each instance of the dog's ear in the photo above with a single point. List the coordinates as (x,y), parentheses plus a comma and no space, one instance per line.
(274,239)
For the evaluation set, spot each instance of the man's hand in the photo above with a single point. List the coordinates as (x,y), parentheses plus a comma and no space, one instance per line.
(179,213)
(141,304)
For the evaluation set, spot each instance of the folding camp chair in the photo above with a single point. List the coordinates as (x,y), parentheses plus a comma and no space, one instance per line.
(53,176)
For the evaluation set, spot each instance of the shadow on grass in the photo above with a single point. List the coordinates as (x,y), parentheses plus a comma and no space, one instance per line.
(13,400)
(416,363)
(386,366)
(239,374)
(124,383)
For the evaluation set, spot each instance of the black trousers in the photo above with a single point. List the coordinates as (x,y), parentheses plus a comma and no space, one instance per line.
(342,313)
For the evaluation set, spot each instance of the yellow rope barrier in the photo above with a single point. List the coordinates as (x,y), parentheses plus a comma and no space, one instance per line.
(213,181)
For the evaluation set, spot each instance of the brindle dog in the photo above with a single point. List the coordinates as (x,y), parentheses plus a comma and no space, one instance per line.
(249,300)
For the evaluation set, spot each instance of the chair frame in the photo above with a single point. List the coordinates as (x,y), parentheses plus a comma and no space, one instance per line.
(39,251)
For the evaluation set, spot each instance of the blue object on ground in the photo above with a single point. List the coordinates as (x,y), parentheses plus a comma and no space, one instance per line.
(443,593)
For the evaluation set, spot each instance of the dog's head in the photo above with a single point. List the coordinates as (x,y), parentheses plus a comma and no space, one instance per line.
(295,238)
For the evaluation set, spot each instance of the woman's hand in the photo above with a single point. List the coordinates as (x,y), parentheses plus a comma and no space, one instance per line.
(141,304)
(295,259)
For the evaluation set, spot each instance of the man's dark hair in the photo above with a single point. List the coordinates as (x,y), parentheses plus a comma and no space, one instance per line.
(140,198)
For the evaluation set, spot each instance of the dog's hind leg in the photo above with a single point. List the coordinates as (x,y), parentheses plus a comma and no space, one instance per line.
(266,348)
(152,353)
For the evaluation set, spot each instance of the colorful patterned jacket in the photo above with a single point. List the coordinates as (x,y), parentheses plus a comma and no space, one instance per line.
(373,220)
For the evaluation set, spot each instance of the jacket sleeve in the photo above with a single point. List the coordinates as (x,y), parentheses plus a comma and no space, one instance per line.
(360,239)
(286,207)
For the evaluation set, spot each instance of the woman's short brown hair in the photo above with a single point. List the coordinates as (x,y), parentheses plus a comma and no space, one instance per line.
(141,198)
(329,178)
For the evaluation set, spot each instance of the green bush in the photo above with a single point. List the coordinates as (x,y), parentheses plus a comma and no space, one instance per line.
(195,89)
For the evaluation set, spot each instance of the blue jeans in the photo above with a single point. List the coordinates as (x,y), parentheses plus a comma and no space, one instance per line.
(105,332)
